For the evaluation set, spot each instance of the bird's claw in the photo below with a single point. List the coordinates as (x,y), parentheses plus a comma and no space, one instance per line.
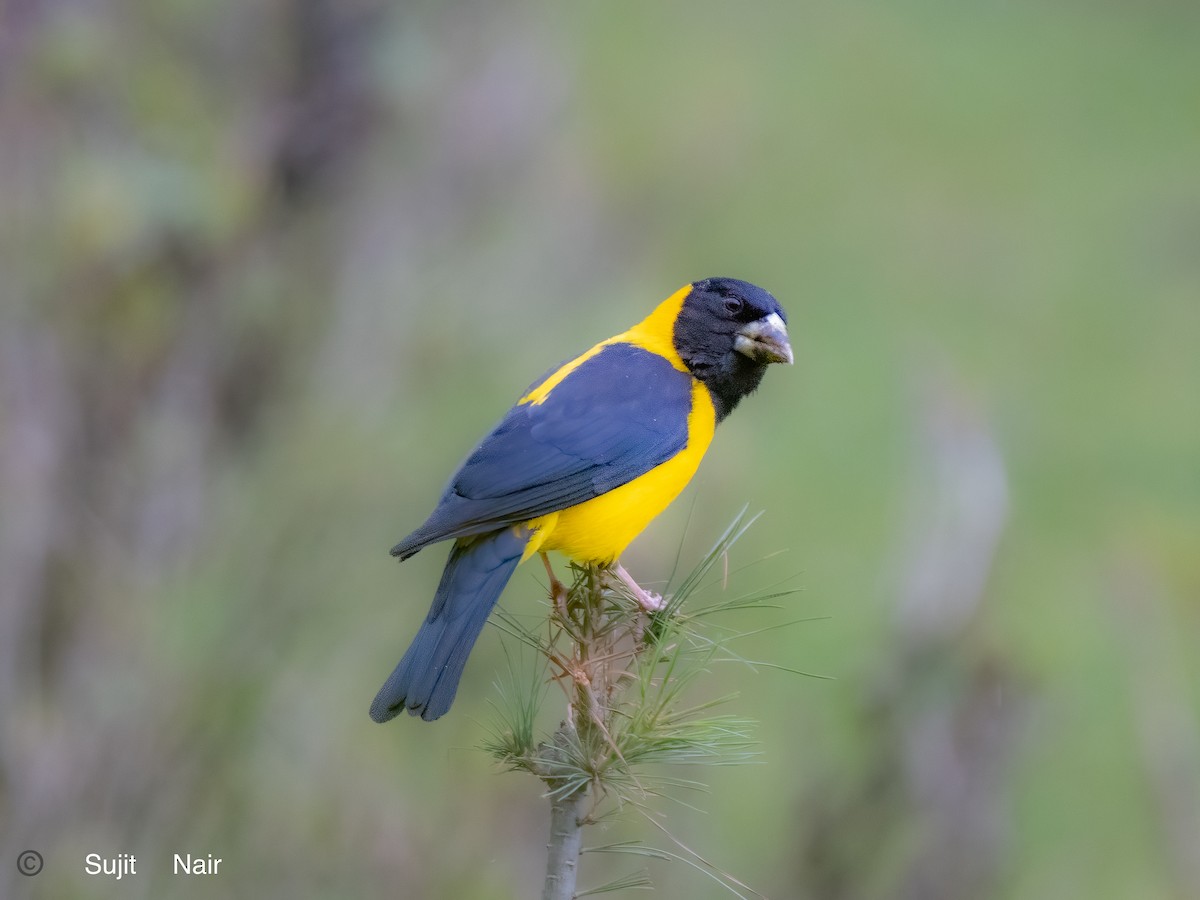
(651,602)
(559,595)
(647,600)
(558,591)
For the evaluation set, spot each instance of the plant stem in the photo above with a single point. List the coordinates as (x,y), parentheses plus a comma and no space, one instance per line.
(622,670)
(569,810)
(566,837)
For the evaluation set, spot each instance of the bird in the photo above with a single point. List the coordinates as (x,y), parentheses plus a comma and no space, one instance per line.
(589,454)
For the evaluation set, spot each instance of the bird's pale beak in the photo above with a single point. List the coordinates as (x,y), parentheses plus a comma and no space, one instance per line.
(764,340)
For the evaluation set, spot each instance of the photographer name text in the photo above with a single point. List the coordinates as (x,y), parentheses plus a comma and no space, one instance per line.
(124,865)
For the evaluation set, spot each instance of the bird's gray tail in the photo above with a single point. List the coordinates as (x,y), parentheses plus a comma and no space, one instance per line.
(426,679)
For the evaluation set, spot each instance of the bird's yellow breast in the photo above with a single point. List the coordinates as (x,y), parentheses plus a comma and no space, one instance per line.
(597,531)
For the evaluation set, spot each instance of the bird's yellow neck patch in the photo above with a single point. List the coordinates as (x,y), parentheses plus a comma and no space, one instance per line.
(655,333)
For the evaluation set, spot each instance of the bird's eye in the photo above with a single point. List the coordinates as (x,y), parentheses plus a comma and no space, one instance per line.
(733,305)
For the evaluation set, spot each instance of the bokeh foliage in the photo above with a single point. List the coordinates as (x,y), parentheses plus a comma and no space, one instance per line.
(267,270)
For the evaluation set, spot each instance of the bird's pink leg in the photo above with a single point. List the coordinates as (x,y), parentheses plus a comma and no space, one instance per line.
(648,600)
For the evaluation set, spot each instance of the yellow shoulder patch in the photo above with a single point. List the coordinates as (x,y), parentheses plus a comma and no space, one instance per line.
(539,394)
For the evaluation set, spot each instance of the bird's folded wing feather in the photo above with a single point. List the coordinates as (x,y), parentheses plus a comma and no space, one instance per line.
(614,417)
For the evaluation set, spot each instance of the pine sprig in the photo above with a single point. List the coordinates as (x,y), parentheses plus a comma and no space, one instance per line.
(627,677)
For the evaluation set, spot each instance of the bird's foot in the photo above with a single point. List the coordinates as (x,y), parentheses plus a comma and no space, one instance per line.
(558,590)
(647,600)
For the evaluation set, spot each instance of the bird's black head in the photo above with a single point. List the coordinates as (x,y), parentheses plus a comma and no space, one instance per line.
(727,333)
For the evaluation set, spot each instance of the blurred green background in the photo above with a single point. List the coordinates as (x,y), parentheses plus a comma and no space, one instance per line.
(270,269)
